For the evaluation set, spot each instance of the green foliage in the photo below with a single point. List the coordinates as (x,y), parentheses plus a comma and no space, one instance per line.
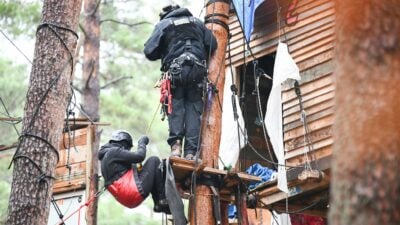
(13,93)
(20,17)
(129,104)
(5,185)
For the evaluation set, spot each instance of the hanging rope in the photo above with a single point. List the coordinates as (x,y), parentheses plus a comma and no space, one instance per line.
(87,203)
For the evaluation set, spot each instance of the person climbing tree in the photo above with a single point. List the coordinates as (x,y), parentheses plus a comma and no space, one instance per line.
(128,183)
(184,45)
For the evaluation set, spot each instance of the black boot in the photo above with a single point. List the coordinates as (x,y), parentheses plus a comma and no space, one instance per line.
(162,206)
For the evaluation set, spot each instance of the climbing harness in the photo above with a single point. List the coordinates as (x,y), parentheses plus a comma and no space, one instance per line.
(166,95)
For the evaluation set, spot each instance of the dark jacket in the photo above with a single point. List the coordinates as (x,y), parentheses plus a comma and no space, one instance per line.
(168,40)
(116,161)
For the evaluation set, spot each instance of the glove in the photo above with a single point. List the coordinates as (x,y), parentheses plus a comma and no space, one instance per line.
(144,140)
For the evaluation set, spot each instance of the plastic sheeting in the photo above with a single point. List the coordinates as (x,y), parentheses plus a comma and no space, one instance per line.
(245,12)
(230,132)
(258,170)
(280,218)
(284,68)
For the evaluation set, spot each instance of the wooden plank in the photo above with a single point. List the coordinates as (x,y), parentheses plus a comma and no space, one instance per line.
(318,153)
(76,137)
(310,74)
(310,95)
(296,188)
(77,154)
(316,48)
(67,183)
(307,87)
(269,39)
(76,168)
(65,186)
(316,60)
(315,105)
(75,177)
(319,212)
(315,125)
(179,164)
(316,135)
(310,118)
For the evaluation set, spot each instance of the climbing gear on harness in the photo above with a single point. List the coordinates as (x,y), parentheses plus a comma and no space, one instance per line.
(187,69)
(166,95)
(176,149)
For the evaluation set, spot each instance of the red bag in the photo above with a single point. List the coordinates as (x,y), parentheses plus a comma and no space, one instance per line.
(125,190)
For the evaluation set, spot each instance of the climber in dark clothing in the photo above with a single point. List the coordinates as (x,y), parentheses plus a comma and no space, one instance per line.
(184,45)
(130,184)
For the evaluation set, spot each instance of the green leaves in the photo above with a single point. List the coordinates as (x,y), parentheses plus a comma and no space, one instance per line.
(20,18)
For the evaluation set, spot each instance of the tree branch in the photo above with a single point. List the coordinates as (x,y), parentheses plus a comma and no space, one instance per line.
(124,23)
(76,89)
(4,147)
(90,74)
(115,81)
(95,9)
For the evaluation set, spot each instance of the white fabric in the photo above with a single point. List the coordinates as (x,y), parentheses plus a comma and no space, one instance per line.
(229,145)
(284,68)
(280,219)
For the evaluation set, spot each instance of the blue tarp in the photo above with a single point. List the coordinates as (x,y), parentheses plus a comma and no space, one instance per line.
(245,10)
(260,171)
(257,170)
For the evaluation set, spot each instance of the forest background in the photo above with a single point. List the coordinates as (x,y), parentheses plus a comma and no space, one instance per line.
(127,98)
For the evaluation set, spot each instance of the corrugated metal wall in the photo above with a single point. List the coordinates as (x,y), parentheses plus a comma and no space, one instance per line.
(311,42)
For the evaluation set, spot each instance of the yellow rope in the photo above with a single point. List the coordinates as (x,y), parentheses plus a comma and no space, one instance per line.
(152,120)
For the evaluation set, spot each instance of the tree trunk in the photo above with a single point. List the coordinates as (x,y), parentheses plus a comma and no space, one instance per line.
(91,95)
(211,119)
(49,89)
(366,178)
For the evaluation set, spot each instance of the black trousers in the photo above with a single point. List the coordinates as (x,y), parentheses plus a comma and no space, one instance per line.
(151,178)
(185,120)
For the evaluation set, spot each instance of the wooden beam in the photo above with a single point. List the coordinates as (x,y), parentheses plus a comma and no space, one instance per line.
(272,195)
(7,147)
(10,119)
(301,209)
(182,169)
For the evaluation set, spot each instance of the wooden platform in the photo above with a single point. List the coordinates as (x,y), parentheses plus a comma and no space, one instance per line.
(310,196)
(183,170)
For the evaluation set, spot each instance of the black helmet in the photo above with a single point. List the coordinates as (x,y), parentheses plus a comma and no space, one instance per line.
(121,135)
(167,9)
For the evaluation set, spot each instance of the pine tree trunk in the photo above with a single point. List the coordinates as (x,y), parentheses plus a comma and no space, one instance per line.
(202,212)
(49,89)
(91,95)
(366,178)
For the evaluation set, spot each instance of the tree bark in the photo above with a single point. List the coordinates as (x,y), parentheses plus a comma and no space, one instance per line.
(211,119)
(49,89)
(91,96)
(366,182)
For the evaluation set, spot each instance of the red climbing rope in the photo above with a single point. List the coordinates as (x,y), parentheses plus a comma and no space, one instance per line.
(166,95)
(62,221)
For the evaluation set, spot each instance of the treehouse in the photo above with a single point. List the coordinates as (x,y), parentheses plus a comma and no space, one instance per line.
(307,27)
(242,136)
